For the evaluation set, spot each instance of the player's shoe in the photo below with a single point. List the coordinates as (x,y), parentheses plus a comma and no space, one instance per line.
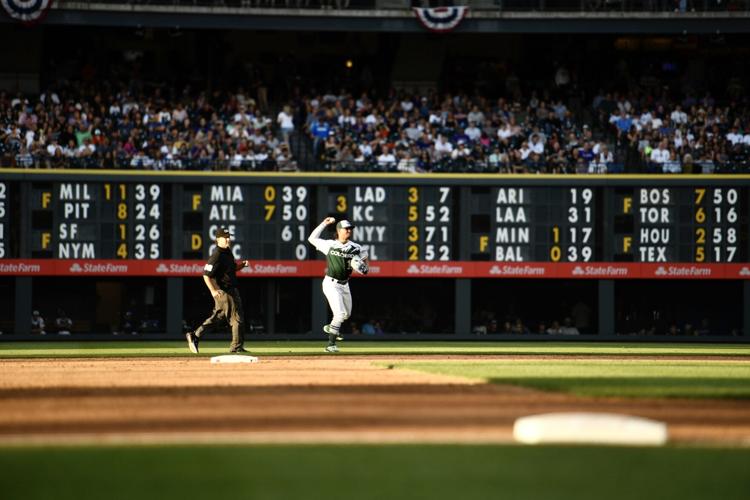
(238,350)
(332,348)
(192,341)
(330,331)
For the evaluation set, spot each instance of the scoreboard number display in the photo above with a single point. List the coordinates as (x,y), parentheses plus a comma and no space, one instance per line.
(97,220)
(267,221)
(398,222)
(698,224)
(545,224)
(430,228)
(498,220)
(286,221)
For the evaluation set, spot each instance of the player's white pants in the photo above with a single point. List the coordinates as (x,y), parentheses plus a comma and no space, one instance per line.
(339,298)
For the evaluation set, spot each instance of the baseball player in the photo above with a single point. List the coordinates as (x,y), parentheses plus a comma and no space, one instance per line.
(342,255)
(220,276)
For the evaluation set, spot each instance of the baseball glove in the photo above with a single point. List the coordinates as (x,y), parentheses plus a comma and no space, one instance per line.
(360,265)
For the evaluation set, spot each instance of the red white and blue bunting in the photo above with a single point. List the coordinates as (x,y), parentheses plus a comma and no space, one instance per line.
(440,19)
(26,11)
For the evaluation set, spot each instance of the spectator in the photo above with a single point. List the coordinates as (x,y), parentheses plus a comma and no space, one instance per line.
(492,326)
(554,329)
(519,328)
(37,324)
(659,156)
(371,327)
(131,128)
(479,330)
(285,121)
(601,163)
(568,328)
(386,160)
(128,325)
(63,323)
(672,165)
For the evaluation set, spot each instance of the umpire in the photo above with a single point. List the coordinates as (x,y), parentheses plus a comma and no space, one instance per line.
(220,276)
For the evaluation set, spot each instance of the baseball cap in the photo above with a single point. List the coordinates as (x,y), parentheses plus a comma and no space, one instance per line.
(223,233)
(344,224)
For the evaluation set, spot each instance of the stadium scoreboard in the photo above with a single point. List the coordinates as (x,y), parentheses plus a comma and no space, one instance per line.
(398,222)
(500,220)
(520,224)
(96,220)
(267,221)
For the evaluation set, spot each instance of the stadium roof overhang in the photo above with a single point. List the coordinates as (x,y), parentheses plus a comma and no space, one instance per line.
(393,20)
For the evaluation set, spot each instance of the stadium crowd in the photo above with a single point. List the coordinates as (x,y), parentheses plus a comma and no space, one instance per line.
(116,127)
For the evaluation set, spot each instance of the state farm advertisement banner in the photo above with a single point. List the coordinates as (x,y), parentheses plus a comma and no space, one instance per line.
(683,271)
(432,269)
(514,270)
(737,271)
(27,267)
(383,269)
(260,269)
(599,270)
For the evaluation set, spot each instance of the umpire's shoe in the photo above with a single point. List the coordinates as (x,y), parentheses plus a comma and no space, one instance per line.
(330,331)
(192,341)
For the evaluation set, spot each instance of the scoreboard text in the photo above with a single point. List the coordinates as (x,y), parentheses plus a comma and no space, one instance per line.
(496,220)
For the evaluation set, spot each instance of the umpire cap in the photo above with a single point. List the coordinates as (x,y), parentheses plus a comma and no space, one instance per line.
(344,224)
(223,233)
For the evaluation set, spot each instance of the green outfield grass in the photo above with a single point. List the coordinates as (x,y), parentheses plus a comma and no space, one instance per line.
(622,378)
(414,472)
(308,347)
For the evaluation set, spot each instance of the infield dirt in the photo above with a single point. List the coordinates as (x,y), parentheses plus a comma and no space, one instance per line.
(302,399)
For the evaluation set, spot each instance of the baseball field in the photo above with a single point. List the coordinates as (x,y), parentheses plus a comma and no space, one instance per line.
(379,420)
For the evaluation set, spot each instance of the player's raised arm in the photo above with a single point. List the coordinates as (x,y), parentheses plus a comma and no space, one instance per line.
(316,240)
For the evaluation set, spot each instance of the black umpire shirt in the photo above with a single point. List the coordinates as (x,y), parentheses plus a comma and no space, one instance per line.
(222,268)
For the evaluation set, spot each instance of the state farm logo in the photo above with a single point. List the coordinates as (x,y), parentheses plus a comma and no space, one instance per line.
(275,269)
(374,270)
(600,271)
(524,270)
(98,268)
(440,269)
(6,267)
(175,268)
(692,271)
(745,271)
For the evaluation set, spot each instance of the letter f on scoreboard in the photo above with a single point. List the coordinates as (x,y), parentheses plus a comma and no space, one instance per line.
(483,243)
(627,205)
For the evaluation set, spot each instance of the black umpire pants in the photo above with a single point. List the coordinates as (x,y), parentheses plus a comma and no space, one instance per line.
(227,308)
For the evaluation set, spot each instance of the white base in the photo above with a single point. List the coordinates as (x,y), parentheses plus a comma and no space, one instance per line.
(233,358)
(589,428)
